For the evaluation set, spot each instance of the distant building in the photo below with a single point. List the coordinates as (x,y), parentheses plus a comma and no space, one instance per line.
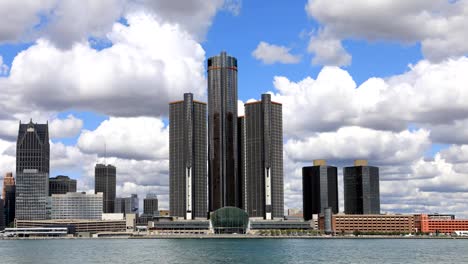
(8,194)
(61,185)
(295,212)
(361,189)
(77,206)
(187,158)
(319,188)
(264,158)
(242,156)
(105,182)
(2,214)
(77,225)
(223,182)
(127,205)
(164,213)
(150,205)
(32,171)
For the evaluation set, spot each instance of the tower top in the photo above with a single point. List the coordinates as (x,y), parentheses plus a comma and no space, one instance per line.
(360,162)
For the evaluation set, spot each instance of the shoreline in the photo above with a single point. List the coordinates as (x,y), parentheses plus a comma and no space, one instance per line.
(229,237)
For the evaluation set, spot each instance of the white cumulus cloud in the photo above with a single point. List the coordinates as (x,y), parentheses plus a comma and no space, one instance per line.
(270,54)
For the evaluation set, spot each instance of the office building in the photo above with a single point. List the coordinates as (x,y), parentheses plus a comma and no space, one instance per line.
(77,206)
(2,215)
(370,223)
(32,171)
(438,224)
(187,158)
(319,188)
(127,205)
(8,195)
(61,185)
(105,182)
(77,225)
(361,189)
(264,158)
(242,155)
(150,205)
(223,180)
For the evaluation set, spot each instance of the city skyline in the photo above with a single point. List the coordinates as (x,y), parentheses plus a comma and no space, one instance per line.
(392,93)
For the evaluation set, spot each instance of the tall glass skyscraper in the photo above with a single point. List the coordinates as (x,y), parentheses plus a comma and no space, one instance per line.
(32,171)
(319,189)
(105,183)
(361,189)
(264,158)
(224,183)
(187,158)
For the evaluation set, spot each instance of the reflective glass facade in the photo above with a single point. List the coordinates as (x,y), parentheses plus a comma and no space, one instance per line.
(319,190)
(361,190)
(105,182)
(223,181)
(229,220)
(188,158)
(32,171)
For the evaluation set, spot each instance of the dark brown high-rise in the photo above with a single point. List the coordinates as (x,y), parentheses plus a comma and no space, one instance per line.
(105,182)
(223,180)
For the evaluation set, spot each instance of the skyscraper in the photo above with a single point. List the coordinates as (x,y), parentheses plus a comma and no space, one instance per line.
(319,189)
(187,162)
(361,189)
(8,195)
(105,182)
(127,205)
(223,177)
(32,171)
(150,205)
(264,158)
(242,155)
(2,218)
(61,185)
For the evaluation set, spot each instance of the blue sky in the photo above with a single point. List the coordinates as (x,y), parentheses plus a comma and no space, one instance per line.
(384,81)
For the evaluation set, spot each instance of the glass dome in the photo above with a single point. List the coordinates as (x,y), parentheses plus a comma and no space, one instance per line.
(230,220)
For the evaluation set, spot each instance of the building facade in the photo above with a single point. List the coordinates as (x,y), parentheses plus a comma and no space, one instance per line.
(32,171)
(8,195)
(264,158)
(370,223)
(61,185)
(127,205)
(319,189)
(77,206)
(223,180)
(150,205)
(187,158)
(361,189)
(242,156)
(105,183)
(436,224)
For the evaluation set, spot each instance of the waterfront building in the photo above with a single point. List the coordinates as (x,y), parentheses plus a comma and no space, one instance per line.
(105,183)
(61,185)
(361,189)
(370,223)
(242,156)
(8,194)
(77,225)
(319,188)
(436,224)
(264,158)
(77,206)
(150,205)
(127,205)
(32,171)
(187,158)
(223,181)
(2,215)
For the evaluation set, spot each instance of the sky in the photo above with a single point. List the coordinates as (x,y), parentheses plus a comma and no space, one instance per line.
(383,80)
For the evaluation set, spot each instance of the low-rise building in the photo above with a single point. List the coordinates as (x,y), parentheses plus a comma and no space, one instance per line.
(436,224)
(371,223)
(77,226)
(76,206)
